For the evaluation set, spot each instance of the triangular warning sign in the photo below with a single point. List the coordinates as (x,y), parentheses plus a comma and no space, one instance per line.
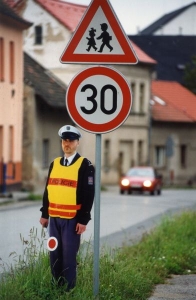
(99,38)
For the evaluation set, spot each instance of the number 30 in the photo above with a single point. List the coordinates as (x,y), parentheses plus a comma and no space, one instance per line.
(92,99)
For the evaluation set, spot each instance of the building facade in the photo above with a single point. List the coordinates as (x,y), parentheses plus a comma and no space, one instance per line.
(11,102)
(173,125)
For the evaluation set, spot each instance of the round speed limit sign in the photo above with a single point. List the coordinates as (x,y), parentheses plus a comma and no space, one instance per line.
(99,99)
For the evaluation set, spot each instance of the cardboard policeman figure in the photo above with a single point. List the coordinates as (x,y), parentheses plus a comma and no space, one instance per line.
(67,203)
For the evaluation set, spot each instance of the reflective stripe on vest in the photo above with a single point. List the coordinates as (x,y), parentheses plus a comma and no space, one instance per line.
(61,214)
(62,187)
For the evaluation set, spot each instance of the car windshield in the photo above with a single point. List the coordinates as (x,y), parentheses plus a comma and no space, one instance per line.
(140,172)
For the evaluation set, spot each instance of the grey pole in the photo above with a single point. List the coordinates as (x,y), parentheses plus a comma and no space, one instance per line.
(97,214)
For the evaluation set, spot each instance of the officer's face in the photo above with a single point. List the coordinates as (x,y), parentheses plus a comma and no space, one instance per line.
(69,146)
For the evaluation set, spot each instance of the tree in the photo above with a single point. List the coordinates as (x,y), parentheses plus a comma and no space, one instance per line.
(190,75)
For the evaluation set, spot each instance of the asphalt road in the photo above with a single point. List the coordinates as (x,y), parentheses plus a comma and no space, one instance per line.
(123,219)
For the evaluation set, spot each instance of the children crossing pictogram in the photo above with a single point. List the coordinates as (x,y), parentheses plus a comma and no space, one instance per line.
(104,36)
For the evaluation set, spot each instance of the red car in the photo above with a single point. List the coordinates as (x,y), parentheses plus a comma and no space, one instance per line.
(143,179)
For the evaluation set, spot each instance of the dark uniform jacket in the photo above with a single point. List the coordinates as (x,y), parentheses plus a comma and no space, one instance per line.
(84,193)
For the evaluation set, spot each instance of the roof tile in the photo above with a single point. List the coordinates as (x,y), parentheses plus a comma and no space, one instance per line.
(46,84)
(180,102)
(68,14)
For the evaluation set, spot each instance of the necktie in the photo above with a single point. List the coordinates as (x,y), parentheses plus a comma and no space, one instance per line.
(66,161)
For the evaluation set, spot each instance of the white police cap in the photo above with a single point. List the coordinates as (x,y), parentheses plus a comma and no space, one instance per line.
(69,132)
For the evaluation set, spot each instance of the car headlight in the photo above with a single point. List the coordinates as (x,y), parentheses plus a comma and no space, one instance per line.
(147,183)
(125,182)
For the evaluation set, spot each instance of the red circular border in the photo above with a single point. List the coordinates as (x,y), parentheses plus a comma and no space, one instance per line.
(120,118)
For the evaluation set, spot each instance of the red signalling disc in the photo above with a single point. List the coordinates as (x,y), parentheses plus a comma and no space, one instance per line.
(52,243)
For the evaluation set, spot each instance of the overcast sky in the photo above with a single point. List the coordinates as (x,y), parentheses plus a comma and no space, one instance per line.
(138,14)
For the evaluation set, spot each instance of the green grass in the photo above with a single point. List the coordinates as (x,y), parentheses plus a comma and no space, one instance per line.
(128,273)
(34,197)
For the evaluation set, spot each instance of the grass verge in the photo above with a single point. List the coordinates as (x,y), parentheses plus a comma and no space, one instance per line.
(127,273)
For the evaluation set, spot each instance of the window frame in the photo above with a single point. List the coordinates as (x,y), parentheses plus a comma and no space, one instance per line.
(159,156)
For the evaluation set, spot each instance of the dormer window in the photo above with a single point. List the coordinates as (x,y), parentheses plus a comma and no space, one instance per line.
(38,35)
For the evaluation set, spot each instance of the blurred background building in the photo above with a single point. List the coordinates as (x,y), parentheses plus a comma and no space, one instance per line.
(160,129)
(11,101)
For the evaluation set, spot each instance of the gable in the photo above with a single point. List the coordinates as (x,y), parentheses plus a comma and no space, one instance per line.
(67,13)
(180,21)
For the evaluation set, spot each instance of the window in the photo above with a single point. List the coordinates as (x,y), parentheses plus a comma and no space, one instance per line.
(106,155)
(11,143)
(45,153)
(183,156)
(133,96)
(140,152)
(159,156)
(12,63)
(2,59)
(141,98)
(38,35)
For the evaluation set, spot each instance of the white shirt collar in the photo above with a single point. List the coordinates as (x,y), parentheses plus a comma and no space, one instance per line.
(70,158)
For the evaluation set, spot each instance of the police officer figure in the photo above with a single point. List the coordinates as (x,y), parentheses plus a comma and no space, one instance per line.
(67,203)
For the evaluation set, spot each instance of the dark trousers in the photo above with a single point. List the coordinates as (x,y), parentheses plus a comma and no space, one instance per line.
(63,259)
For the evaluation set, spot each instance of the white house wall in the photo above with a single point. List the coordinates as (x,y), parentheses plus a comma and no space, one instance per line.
(183,24)
(55,36)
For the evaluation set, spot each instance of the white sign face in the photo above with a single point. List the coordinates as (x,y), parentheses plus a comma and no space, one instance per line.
(98,103)
(99,99)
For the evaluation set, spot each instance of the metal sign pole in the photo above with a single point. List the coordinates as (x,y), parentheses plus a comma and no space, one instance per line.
(97,214)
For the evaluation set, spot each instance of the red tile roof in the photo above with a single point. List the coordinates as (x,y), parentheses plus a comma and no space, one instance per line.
(7,11)
(179,104)
(67,13)
(11,3)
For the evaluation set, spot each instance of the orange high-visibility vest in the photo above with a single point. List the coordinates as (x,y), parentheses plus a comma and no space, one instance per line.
(62,186)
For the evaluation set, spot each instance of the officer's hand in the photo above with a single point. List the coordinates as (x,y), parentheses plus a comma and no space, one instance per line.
(44,222)
(80,228)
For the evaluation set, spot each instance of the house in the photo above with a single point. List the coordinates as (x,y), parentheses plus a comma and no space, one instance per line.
(177,22)
(11,101)
(172,54)
(172,145)
(171,41)
(54,22)
(173,127)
